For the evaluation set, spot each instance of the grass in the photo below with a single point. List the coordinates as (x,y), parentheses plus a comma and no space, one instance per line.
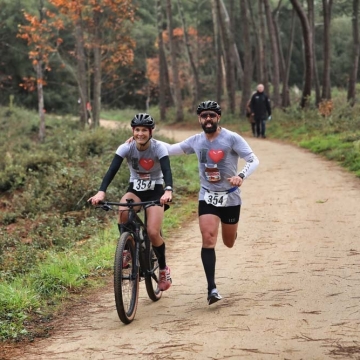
(336,137)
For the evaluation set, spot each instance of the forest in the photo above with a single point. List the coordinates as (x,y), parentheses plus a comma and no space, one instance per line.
(59,55)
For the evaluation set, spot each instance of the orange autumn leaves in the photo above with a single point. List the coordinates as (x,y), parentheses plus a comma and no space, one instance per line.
(103,25)
(41,35)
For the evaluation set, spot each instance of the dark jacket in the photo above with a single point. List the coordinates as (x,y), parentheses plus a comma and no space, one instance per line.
(260,106)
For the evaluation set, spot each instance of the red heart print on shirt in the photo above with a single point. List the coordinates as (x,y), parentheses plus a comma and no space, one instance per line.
(216,155)
(147,164)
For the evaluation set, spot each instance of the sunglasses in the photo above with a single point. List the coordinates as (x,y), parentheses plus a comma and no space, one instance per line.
(205,115)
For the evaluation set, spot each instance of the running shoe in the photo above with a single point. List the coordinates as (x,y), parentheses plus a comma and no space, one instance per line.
(164,279)
(126,259)
(213,297)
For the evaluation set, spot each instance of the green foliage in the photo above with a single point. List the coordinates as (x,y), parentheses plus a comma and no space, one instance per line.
(12,177)
(59,273)
(16,302)
(18,260)
(15,296)
(336,136)
(341,42)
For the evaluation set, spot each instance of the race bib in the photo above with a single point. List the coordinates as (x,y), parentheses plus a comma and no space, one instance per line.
(143,185)
(218,199)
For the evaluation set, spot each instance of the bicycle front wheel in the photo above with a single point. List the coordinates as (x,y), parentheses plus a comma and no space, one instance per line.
(153,272)
(126,278)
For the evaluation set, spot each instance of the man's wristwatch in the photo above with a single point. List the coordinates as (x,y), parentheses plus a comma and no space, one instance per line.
(241,175)
(168,188)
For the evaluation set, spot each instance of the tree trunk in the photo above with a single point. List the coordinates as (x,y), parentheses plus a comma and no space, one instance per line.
(262,48)
(308,53)
(97,76)
(81,72)
(175,73)
(232,30)
(274,55)
(246,85)
(40,92)
(39,84)
(275,17)
(232,16)
(228,56)
(326,90)
(285,91)
(255,33)
(311,16)
(162,63)
(196,83)
(147,86)
(217,43)
(232,43)
(355,54)
(259,61)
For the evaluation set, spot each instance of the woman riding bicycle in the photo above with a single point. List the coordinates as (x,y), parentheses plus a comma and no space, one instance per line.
(149,164)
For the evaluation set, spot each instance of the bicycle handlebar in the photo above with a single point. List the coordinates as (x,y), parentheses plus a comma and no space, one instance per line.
(106,205)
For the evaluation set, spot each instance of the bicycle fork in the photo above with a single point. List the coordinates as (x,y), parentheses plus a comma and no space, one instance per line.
(135,234)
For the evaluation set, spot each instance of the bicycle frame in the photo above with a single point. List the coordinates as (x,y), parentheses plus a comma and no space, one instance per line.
(134,222)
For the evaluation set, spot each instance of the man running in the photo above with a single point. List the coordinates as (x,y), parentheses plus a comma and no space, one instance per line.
(218,151)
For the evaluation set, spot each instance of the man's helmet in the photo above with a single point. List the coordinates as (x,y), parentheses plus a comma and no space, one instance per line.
(143,119)
(209,105)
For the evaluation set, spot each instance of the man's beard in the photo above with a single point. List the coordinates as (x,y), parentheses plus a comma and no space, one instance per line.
(212,129)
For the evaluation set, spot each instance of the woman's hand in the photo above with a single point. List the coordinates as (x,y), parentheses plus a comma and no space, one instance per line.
(167,197)
(94,200)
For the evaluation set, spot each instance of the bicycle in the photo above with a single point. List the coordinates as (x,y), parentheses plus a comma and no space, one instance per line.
(134,261)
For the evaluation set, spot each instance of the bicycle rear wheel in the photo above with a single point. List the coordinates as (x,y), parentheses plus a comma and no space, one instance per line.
(126,278)
(153,272)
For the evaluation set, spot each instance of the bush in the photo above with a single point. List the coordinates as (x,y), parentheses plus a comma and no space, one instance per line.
(12,177)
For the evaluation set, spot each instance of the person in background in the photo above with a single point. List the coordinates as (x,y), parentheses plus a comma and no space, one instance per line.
(88,112)
(250,117)
(260,110)
(149,165)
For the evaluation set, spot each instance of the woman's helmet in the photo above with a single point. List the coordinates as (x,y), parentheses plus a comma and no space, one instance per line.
(143,119)
(209,105)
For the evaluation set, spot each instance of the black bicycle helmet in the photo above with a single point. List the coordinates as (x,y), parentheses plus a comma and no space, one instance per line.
(143,119)
(209,105)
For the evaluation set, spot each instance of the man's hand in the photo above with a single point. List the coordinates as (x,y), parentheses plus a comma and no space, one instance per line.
(235,180)
(269,118)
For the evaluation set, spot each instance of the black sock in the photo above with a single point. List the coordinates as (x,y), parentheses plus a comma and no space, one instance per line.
(208,258)
(160,254)
(121,228)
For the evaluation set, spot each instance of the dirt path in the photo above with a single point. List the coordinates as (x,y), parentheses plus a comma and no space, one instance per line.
(291,284)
